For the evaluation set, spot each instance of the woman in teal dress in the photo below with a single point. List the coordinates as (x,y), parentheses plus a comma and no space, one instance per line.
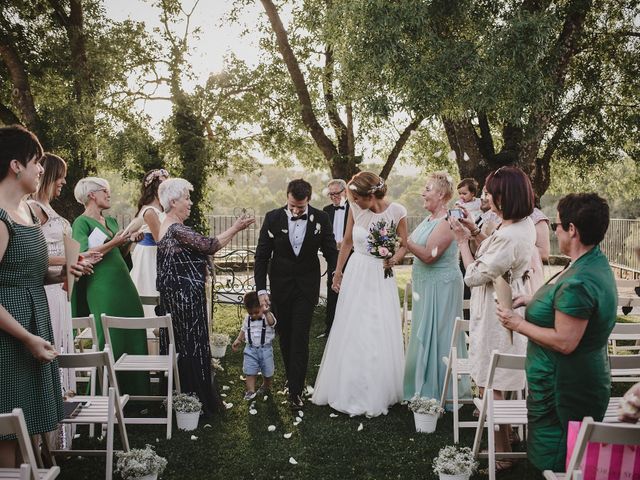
(437,295)
(110,289)
(568,323)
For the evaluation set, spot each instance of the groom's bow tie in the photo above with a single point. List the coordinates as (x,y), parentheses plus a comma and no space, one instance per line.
(301,217)
(339,207)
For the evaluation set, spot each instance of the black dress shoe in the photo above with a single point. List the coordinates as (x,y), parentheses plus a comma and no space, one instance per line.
(295,403)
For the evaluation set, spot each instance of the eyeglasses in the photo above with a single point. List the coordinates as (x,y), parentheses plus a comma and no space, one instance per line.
(103,190)
(555,225)
(336,194)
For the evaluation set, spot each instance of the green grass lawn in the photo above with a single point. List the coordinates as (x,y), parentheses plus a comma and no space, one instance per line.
(238,445)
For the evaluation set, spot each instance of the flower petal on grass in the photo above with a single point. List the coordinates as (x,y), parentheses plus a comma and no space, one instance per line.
(333,415)
(193,437)
(271,428)
(283,402)
(301,414)
(227,405)
(287,435)
(223,395)
(360,427)
(206,425)
(226,387)
(292,461)
(253,411)
(243,378)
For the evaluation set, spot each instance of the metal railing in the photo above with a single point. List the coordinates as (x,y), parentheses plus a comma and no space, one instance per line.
(619,242)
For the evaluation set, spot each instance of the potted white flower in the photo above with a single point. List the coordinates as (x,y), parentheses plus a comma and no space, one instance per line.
(454,463)
(140,464)
(187,408)
(219,342)
(425,413)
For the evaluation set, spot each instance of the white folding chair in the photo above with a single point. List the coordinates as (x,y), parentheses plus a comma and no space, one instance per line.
(166,364)
(406,315)
(625,368)
(86,327)
(153,337)
(101,409)
(498,412)
(590,431)
(14,423)
(456,368)
(625,332)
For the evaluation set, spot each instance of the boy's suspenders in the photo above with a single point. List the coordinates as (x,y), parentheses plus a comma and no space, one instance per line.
(262,335)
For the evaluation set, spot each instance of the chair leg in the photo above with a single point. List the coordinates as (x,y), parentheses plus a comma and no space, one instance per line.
(111,420)
(92,392)
(445,386)
(480,428)
(456,400)
(170,396)
(491,436)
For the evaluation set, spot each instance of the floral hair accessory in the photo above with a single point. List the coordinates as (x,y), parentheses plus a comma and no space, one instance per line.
(353,187)
(377,187)
(160,172)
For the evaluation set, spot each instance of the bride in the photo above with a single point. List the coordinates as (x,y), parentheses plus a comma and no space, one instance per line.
(362,366)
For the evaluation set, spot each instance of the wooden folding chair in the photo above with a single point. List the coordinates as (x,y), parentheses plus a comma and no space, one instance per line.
(456,368)
(625,368)
(590,431)
(14,423)
(498,412)
(167,364)
(406,315)
(102,409)
(625,332)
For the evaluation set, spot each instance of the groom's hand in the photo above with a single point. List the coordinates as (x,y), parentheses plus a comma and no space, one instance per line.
(264,301)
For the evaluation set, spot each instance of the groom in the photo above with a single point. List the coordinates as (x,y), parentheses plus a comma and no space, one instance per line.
(287,249)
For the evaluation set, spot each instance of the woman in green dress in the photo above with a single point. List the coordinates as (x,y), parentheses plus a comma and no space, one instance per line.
(568,323)
(110,289)
(29,372)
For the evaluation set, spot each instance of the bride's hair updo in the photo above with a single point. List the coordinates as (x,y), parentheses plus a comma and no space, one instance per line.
(364,184)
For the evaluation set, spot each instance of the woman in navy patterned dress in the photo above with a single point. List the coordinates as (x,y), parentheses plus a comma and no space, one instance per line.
(183,265)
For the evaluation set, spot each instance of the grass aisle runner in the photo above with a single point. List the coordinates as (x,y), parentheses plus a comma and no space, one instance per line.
(238,445)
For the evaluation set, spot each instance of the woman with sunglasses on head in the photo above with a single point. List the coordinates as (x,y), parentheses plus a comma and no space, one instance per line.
(568,323)
(506,253)
(144,256)
(110,289)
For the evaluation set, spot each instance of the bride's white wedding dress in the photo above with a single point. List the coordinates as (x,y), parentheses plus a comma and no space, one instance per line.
(362,366)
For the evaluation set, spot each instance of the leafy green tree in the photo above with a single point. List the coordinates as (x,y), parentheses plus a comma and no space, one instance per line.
(513,82)
(62,66)
(307,112)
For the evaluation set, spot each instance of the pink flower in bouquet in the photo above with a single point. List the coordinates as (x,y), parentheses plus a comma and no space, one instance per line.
(383,232)
(383,251)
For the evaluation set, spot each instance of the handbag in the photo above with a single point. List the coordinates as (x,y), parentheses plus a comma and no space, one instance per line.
(604,461)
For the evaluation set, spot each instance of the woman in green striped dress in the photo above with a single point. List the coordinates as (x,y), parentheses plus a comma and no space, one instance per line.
(28,368)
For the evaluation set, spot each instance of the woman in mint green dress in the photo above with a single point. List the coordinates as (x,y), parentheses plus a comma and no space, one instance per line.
(110,289)
(568,323)
(437,295)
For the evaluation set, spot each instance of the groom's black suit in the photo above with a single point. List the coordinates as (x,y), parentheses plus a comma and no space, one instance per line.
(294,282)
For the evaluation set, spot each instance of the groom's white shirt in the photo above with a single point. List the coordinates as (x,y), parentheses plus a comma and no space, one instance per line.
(297,230)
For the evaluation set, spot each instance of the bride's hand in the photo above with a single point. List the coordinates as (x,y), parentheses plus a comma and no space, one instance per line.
(337,280)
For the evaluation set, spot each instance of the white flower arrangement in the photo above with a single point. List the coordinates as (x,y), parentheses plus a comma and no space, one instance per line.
(216,365)
(220,339)
(139,462)
(185,403)
(429,406)
(453,460)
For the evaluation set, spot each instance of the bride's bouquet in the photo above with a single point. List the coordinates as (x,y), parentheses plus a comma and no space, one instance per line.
(383,242)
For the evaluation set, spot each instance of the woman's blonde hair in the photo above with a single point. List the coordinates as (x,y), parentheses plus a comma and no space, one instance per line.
(88,185)
(364,184)
(443,182)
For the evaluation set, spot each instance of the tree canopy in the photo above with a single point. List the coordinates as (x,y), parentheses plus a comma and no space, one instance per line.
(513,82)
